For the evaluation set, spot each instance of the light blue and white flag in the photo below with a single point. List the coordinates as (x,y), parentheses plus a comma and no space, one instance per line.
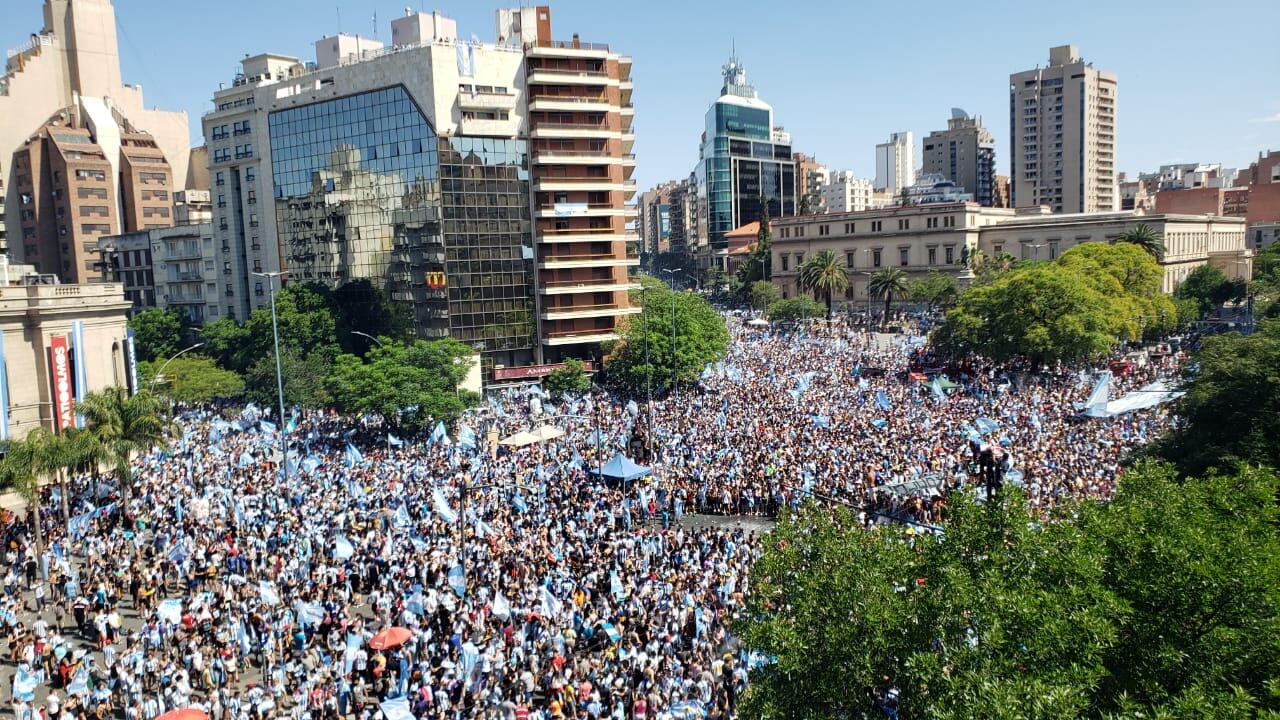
(245,460)
(466,437)
(352,456)
(170,611)
(267,592)
(551,605)
(342,548)
(457,580)
(441,506)
(883,400)
(440,435)
(394,441)
(24,685)
(822,421)
(398,708)
(401,519)
(879,423)
(517,502)
(501,608)
(986,426)
(611,632)
(936,386)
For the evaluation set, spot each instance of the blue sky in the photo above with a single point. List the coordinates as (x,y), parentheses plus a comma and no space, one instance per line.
(1198,81)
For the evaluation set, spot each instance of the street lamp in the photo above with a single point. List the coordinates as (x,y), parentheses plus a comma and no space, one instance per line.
(675,378)
(648,369)
(160,372)
(271,278)
(365,334)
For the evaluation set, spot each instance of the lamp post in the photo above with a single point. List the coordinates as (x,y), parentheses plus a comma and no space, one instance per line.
(175,356)
(275,335)
(365,334)
(648,369)
(675,378)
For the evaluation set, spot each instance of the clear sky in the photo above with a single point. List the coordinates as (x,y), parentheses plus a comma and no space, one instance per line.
(1199,81)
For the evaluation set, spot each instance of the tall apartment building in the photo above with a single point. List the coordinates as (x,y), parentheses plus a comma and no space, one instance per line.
(580,128)
(846,193)
(811,180)
(163,267)
(73,61)
(896,162)
(654,217)
(86,174)
(965,154)
(1062,135)
(483,184)
(745,166)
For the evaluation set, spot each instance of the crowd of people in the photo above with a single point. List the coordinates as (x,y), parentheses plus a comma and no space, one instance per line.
(456,577)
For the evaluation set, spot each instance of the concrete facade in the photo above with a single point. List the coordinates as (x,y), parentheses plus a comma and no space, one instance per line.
(811,181)
(965,154)
(940,237)
(846,193)
(30,317)
(72,58)
(1062,135)
(896,162)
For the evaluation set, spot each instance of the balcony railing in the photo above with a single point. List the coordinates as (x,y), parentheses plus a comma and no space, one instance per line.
(569,45)
(540,124)
(588,282)
(578,231)
(569,99)
(579,258)
(581,308)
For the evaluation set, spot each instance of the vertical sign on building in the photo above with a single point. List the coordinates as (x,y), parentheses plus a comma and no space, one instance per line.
(60,376)
(78,366)
(131,361)
(4,392)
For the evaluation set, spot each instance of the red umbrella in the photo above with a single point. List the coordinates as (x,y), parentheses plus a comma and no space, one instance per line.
(191,713)
(389,638)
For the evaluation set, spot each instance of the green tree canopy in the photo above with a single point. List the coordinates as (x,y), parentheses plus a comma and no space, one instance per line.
(125,426)
(764,294)
(1162,602)
(801,307)
(935,290)
(157,332)
(1145,237)
(412,385)
(1208,287)
(1231,410)
(825,274)
(359,305)
(568,380)
(888,283)
(701,336)
(192,379)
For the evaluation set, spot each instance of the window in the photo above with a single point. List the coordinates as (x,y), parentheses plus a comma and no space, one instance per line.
(250,175)
(949,221)
(933,256)
(997,249)
(799,260)
(222,201)
(220,179)
(903,257)
(848,228)
(824,229)
(950,254)
(876,225)
(253,220)
(257,288)
(875,258)
(849,257)
(930,223)
(904,223)
(786,261)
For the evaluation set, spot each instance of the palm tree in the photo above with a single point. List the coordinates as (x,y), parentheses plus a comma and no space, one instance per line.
(25,462)
(1146,238)
(125,425)
(823,273)
(887,283)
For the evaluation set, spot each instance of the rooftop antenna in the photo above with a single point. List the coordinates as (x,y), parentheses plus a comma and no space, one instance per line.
(375,24)
(338,10)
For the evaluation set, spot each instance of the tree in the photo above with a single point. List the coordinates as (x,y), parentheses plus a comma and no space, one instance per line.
(1162,600)
(1207,286)
(157,333)
(125,425)
(1043,313)
(935,290)
(193,379)
(25,462)
(701,337)
(361,306)
(764,294)
(304,379)
(806,208)
(1140,279)
(825,274)
(568,380)
(887,283)
(1146,238)
(224,339)
(412,385)
(1231,411)
(795,309)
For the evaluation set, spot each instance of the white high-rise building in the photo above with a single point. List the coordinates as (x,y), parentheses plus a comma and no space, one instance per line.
(896,162)
(846,193)
(1062,135)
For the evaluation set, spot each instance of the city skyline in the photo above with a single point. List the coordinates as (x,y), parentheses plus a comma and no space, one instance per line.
(1166,102)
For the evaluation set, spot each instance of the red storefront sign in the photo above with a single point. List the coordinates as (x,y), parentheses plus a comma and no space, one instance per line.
(60,374)
(533,371)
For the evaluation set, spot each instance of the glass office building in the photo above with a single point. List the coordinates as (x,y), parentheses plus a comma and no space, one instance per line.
(364,189)
(743,160)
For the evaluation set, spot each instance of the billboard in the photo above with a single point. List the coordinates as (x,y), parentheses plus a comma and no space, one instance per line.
(60,377)
(533,371)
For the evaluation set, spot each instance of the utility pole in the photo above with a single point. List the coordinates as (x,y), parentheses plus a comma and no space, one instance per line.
(275,334)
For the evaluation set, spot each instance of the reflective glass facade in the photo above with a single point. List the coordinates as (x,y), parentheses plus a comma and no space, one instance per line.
(738,168)
(364,188)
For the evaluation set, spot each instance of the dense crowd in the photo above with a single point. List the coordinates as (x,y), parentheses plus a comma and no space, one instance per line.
(459,577)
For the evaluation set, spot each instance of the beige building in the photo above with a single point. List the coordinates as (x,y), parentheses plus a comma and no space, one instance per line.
(58,342)
(941,237)
(965,154)
(74,60)
(1190,240)
(1062,135)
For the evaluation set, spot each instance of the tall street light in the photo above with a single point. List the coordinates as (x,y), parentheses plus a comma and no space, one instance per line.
(271,278)
(675,378)
(155,378)
(648,369)
(367,335)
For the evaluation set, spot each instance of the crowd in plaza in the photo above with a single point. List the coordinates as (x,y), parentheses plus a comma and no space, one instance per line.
(452,576)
